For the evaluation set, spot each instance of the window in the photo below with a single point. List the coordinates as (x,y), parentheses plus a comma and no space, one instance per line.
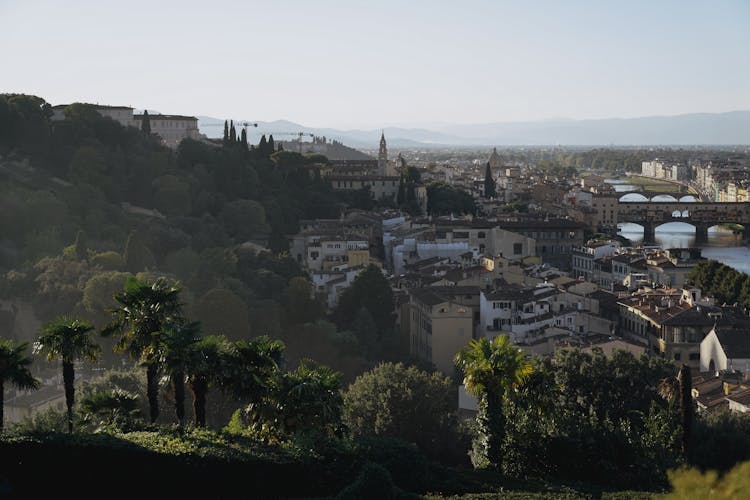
(481,235)
(517,248)
(677,356)
(694,356)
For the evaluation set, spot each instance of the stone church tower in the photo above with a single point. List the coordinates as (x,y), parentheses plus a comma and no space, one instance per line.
(495,160)
(383,156)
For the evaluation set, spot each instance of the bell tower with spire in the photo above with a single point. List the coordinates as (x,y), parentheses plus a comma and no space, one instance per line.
(382,156)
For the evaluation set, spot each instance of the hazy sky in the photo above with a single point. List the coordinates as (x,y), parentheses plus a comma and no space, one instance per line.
(353,63)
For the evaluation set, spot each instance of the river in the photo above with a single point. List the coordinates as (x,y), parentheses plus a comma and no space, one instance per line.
(723,245)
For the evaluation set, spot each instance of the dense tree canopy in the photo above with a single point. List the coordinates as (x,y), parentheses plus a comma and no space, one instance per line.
(400,401)
(444,199)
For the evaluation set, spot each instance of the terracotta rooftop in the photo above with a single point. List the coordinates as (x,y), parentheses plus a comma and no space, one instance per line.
(734,342)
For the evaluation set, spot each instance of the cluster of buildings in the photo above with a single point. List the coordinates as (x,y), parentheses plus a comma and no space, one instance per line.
(533,275)
(171,129)
(380,176)
(722,180)
(663,169)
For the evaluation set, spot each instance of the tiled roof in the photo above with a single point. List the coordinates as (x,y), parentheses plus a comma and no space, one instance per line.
(741,397)
(734,342)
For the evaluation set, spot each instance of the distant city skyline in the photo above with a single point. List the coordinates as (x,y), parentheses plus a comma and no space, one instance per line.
(368,65)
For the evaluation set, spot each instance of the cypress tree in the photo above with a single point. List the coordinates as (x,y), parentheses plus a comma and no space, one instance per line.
(81,249)
(137,255)
(232,132)
(271,147)
(410,194)
(686,410)
(262,144)
(489,183)
(244,139)
(146,123)
(226,133)
(401,196)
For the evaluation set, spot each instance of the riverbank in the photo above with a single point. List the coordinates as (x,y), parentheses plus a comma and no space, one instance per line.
(660,185)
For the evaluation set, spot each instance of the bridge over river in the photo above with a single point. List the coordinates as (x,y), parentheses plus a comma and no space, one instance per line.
(702,215)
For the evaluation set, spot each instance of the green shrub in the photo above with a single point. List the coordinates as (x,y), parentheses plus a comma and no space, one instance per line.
(407,465)
(109,261)
(688,483)
(374,482)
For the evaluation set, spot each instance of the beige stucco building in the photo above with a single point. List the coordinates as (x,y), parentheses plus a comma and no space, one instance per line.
(441,323)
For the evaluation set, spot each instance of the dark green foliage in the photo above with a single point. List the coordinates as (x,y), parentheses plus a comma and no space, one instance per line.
(398,401)
(24,123)
(371,291)
(443,199)
(81,250)
(401,196)
(301,306)
(251,366)
(492,370)
(373,483)
(143,310)
(137,256)
(14,370)
(146,123)
(177,356)
(304,400)
(206,368)
(68,339)
(721,281)
(586,417)
(116,410)
(686,410)
(721,440)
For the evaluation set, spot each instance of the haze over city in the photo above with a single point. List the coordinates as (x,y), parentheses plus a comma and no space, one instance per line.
(377,64)
(352,250)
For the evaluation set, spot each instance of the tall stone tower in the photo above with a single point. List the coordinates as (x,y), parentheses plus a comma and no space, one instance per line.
(495,160)
(382,156)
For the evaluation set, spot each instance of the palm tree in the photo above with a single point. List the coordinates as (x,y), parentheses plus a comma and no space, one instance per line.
(680,387)
(251,365)
(142,312)
(491,370)
(69,339)
(205,368)
(179,341)
(308,398)
(14,368)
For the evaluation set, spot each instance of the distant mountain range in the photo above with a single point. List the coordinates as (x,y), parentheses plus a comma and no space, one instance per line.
(688,129)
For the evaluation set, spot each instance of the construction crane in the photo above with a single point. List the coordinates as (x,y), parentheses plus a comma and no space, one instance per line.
(298,134)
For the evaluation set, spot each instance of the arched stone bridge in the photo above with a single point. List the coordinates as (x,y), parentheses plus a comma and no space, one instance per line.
(652,194)
(701,215)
